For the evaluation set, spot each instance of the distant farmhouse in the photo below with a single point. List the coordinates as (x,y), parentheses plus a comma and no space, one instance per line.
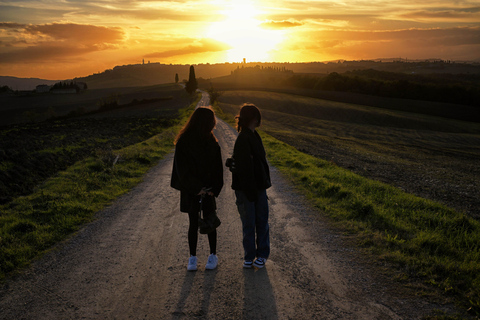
(43,88)
(62,88)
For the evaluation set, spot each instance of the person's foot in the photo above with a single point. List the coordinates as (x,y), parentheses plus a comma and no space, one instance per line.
(192,263)
(247,264)
(260,262)
(212,262)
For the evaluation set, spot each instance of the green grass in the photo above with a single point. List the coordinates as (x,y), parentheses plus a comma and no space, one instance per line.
(425,239)
(32,224)
(431,247)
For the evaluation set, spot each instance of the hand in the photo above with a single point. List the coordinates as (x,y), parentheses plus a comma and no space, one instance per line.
(205,191)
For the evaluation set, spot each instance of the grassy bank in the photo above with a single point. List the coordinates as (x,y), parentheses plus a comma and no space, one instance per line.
(427,243)
(32,224)
(424,239)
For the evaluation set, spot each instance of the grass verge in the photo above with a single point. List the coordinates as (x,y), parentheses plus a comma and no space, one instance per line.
(32,224)
(425,239)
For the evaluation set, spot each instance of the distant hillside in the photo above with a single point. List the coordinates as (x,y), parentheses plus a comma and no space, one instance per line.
(24,83)
(155,73)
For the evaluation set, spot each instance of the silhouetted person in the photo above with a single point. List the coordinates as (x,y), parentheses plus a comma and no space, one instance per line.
(250,179)
(198,174)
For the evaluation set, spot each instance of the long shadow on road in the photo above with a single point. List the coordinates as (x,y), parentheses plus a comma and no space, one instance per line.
(259,301)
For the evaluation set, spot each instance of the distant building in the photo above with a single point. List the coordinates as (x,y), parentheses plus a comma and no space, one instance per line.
(81,85)
(42,88)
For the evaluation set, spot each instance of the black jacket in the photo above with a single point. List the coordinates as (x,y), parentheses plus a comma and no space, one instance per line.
(251,172)
(197,164)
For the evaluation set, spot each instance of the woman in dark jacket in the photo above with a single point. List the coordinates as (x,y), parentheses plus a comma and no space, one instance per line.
(250,179)
(198,174)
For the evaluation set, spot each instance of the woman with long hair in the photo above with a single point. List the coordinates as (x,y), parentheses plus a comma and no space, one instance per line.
(250,180)
(198,174)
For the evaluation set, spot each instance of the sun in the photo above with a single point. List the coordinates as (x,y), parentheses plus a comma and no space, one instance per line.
(243,33)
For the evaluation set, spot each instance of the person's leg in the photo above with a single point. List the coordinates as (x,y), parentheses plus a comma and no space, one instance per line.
(212,241)
(261,225)
(193,232)
(246,209)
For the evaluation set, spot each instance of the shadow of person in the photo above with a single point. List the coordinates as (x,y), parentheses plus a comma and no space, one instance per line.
(259,302)
(184,293)
(208,286)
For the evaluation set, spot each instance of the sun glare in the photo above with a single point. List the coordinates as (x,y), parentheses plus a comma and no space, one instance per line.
(242,31)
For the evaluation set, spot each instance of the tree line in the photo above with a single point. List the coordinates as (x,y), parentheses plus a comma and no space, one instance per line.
(458,89)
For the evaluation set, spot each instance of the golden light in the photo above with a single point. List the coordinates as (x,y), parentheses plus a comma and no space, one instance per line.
(241,30)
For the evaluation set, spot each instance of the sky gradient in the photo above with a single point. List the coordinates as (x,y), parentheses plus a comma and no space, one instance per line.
(72,38)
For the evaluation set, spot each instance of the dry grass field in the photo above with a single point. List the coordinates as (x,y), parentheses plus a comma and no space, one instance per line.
(430,156)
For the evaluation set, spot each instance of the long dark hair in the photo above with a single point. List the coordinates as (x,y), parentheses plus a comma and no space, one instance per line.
(200,125)
(248,113)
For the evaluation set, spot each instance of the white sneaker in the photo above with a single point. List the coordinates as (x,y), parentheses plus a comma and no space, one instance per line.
(192,263)
(212,262)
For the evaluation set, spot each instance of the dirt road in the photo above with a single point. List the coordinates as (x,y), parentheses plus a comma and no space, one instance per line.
(131,264)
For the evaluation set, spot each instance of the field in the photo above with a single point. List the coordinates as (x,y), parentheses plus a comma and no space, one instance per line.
(402,186)
(38,107)
(32,152)
(55,174)
(430,156)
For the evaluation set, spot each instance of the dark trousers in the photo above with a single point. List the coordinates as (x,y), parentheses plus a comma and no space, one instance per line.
(256,231)
(208,207)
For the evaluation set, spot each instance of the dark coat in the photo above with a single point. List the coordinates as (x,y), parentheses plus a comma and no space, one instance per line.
(251,172)
(197,164)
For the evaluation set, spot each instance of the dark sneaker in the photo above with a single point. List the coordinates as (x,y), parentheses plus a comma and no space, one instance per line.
(247,264)
(260,262)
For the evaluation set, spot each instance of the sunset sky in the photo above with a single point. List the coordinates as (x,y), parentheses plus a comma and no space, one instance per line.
(71,38)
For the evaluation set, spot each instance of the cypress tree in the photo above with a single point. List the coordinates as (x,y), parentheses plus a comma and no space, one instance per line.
(191,85)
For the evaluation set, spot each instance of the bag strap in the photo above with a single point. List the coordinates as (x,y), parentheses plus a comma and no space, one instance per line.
(201,204)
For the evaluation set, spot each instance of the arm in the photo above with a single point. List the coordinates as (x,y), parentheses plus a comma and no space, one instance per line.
(217,172)
(244,167)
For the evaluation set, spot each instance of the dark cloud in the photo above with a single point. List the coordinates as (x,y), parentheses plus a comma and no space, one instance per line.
(280,24)
(44,53)
(25,14)
(79,33)
(50,42)
(204,45)
(11,25)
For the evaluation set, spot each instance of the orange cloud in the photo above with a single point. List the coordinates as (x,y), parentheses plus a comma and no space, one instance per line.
(280,24)
(452,43)
(204,45)
(458,15)
(78,33)
(50,42)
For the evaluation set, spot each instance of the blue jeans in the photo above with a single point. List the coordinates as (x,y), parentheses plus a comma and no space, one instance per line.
(254,217)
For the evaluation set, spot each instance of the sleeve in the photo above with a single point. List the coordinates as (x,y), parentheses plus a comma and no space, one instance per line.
(183,169)
(218,171)
(244,167)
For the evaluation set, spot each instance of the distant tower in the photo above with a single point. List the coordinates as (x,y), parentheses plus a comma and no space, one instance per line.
(244,61)
(143,61)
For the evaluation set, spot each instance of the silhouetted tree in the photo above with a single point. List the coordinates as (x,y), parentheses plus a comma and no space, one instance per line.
(214,94)
(191,85)
(176,77)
